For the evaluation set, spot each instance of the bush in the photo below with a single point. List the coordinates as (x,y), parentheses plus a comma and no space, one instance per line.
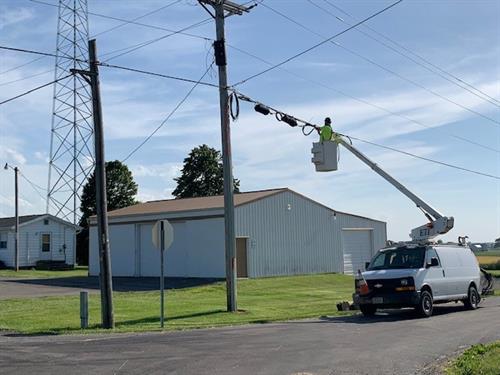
(491,266)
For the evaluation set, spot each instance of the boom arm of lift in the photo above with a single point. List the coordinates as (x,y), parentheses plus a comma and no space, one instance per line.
(438,224)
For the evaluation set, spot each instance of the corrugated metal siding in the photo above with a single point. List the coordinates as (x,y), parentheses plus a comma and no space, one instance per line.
(289,234)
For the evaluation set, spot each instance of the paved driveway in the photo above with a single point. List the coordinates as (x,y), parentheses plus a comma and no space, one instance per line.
(397,343)
(24,288)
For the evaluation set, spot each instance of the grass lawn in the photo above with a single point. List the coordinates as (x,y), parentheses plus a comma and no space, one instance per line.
(479,359)
(495,273)
(261,300)
(35,274)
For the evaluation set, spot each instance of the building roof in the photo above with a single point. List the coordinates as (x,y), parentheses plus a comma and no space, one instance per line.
(10,222)
(191,204)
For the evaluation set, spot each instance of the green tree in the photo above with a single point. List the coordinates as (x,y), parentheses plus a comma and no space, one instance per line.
(202,174)
(121,191)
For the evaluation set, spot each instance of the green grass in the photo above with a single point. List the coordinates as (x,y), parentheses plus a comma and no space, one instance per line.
(495,273)
(479,359)
(489,253)
(261,300)
(36,274)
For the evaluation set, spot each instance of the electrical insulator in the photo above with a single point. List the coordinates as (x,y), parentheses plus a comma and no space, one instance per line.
(289,120)
(262,109)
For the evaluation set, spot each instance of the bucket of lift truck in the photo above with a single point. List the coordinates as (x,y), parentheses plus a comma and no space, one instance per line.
(325,156)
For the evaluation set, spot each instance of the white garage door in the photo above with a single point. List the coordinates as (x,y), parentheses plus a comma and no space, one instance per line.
(357,247)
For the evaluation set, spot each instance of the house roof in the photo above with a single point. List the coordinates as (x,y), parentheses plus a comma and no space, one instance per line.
(191,204)
(9,222)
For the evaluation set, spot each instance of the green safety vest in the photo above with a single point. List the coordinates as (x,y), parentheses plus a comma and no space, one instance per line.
(325,133)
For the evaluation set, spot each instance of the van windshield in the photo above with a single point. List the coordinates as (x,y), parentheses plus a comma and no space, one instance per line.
(401,257)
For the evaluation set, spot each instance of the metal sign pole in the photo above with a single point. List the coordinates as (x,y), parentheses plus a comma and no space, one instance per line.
(162,278)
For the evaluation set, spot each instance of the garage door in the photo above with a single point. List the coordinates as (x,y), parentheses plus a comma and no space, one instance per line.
(357,247)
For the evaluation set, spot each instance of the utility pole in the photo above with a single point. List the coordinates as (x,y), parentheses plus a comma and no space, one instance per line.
(16,241)
(220,60)
(105,280)
(16,226)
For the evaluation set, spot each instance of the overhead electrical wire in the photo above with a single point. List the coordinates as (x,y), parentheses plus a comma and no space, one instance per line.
(291,73)
(181,102)
(294,122)
(390,71)
(458,81)
(317,44)
(34,89)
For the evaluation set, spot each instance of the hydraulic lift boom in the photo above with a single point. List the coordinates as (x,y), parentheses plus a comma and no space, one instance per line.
(438,224)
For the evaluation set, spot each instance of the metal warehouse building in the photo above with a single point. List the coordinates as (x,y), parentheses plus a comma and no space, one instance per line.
(279,232)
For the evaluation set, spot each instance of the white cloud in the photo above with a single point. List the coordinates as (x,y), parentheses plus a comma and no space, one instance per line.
(12,16)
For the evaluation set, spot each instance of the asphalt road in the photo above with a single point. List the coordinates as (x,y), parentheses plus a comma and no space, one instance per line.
(395,343)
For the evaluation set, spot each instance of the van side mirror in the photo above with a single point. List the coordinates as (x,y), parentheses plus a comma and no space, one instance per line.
(434,262)
(367,264)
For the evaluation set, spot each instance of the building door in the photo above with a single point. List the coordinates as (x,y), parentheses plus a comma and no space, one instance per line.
(46,246)
(358,249)
(241,257)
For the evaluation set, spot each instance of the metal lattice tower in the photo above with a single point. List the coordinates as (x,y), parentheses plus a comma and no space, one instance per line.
(72,135)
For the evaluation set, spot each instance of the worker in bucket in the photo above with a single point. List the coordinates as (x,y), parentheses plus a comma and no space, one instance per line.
(326,132)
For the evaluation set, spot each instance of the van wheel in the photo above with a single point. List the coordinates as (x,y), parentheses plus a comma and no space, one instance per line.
(473,298)
(368,310)
(425,306)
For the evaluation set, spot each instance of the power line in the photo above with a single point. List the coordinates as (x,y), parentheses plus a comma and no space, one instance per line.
(283,116)
(34,89)
(25,78)
(316,45)
(426,159)
(405,55)
(385,68)
(363,101)
(125,22)
(199,82)
(445,72)
(135,47)
(169,115)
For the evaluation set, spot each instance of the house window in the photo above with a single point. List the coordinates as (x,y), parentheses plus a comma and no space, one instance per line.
(3,240)
(46,242)
(45,221)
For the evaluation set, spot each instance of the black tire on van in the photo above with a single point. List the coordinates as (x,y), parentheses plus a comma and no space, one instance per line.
(425,305)
(473,298)
(368,310)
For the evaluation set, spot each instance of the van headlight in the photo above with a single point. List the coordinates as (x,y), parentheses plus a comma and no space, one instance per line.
(404,282)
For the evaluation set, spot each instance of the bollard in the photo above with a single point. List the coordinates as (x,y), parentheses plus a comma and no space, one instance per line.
(84,309)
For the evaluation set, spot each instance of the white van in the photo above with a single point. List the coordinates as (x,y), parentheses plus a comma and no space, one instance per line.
(418,276)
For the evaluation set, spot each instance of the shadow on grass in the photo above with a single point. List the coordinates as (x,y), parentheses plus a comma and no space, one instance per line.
(120,284)
(154,319)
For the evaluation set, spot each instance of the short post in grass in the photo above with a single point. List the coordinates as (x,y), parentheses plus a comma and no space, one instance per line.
(162,236)
(84,309)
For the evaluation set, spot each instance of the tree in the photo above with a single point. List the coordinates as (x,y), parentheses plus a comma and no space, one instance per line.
(202,174)
(121,191)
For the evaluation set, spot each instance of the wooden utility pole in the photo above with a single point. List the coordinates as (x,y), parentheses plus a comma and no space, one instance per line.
(220,60)
(105,279)
(16,225)
(16,240)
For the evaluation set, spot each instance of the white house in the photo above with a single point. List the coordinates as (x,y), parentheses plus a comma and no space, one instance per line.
(41,237)
(279,232)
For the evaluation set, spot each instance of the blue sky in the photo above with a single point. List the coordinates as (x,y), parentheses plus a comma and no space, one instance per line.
(462,37)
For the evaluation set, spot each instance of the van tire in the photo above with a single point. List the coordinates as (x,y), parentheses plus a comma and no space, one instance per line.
(425,305)
(473,299)
(368,310)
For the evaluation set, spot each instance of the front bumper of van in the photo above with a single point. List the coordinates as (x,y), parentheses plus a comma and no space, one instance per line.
(388,300)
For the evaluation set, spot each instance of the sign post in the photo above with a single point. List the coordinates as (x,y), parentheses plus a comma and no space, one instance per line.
(162,236)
